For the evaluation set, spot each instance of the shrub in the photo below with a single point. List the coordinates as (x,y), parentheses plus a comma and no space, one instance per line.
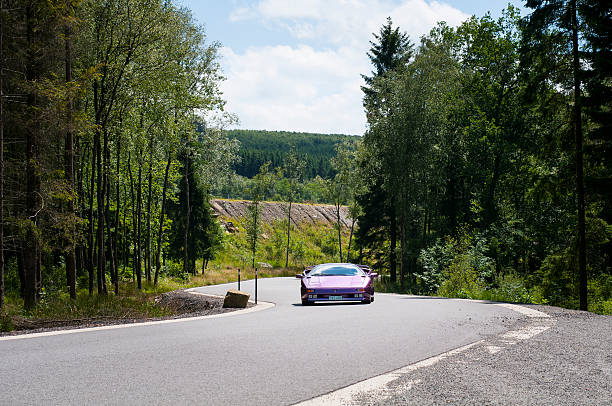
(510,288)
(461,279)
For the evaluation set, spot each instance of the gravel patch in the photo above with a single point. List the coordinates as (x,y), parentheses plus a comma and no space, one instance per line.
(568,364)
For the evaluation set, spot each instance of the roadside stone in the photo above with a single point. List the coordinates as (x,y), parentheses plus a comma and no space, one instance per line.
(236,299)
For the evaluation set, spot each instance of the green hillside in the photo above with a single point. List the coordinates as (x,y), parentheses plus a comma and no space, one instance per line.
(258,147)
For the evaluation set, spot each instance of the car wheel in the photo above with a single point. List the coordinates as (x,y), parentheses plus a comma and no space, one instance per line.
(366,301)
(372,299)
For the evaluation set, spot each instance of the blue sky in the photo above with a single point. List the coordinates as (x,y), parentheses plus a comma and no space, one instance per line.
(295,64)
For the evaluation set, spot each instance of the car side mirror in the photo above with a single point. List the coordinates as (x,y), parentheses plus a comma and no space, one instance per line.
(299,276)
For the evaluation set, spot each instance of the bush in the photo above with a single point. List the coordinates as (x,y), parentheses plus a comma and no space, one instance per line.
(510,288)
(461,279)
(6,324)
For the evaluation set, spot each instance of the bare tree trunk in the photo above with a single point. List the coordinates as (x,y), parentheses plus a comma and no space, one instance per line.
(100,268)
(288,234)
(33,203)
(1,162)
(161,220)
(339,230)
(403,262)
(30,245)
(109,248)
(69,173)
(580,195)
(187,215)
(90,216)
(118,203)
(139,226)
(82,169)
(149,198)
(256,219)
(393,238)
(348,249)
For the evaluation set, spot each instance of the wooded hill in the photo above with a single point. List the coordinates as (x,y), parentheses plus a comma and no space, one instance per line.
(259,146)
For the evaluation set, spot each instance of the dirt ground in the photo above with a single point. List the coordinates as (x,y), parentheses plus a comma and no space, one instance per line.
(275,211)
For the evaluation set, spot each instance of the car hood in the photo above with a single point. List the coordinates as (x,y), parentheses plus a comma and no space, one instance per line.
(336,281)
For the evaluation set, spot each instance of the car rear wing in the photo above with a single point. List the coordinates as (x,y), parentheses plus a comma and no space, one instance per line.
(365,268)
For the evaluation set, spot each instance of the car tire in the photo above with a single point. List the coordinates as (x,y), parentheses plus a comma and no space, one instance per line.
(366,301)
(372,298)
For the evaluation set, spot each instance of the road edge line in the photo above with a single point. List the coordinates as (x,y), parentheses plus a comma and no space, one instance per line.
(258,307)
(346,394)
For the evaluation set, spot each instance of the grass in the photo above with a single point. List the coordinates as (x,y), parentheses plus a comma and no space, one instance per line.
(310,244)
(130,304)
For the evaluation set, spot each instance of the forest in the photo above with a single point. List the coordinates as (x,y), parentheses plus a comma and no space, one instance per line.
(488,151)
(259,147)
(484,171)
(105,163)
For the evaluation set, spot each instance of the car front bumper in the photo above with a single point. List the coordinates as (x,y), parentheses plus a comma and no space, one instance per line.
(336,295)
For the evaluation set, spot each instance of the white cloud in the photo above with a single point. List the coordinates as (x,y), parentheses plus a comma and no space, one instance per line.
(303,88)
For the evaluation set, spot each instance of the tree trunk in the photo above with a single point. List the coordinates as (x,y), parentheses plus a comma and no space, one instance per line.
(453,205)
(82,169)
(149,198)
(580,195)
(118,203)
(490,203)
(187,215)
(288,234)
(90,216)
(33,203)
(403,262)
(1,162)
(30,245)
(255,221)
(393,238)
(339,230)
(109,249)
(100,268)
(348,249)
(69,172)
(139,225)
(161,220)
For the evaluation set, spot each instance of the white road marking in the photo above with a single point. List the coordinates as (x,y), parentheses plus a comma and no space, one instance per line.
(377,387)
(260,306)
(493,349)
(527,311)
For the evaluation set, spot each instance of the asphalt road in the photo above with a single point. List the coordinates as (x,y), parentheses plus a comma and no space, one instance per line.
(277,356)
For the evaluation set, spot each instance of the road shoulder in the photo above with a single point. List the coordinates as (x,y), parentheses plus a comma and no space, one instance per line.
(556,357)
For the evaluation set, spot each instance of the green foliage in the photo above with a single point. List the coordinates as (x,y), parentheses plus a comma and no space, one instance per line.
(452,142)
(310,244)
(259,147)
(461,279)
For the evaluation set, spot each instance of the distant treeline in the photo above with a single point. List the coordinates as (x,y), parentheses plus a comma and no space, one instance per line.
(258,147)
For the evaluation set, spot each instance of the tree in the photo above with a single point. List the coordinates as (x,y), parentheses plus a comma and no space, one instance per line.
(345,186)
(292,170)
(391,50)
(261,186)
(553,35)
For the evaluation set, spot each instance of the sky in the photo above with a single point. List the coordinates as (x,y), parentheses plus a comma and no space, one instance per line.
(296,65)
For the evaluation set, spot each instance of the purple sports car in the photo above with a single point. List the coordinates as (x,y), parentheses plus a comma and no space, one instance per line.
(337,282)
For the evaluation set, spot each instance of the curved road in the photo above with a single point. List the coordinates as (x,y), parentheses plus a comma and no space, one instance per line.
(281,355)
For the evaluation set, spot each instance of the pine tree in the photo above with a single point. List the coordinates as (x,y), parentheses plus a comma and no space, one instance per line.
(389,52)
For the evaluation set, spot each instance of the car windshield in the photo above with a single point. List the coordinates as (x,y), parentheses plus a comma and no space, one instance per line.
(336,270)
